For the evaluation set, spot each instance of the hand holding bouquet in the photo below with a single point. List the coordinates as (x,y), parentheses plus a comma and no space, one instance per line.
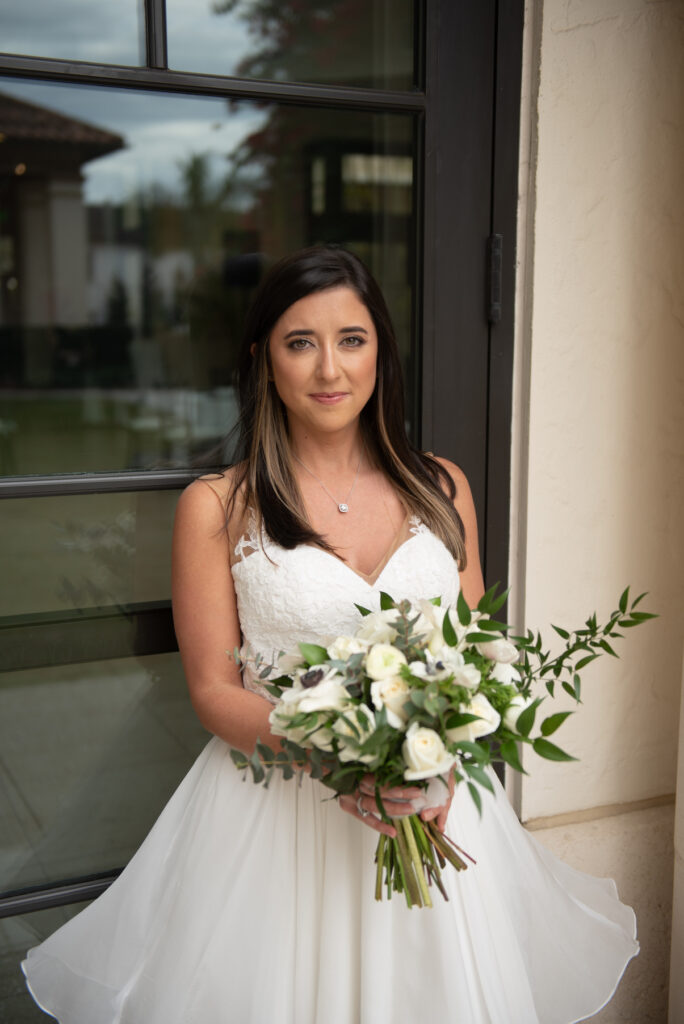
(426,696)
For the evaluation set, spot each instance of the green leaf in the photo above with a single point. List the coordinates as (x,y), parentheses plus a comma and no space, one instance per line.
(476,750)
(460,718)
(360,608)
(638,599)
(477,799)
(550,751)
(491,625)
(386,602)
(499,601)
(448,631)
(585,661)
(525,719)
(480,776)
(553,722)
(607,648)
(642,616)
(462,610)
(437,601)
(264,752)
(561,632)
(568,689)
(274,690)
(239,759)
(478,638)
(255,764)
(313,654)
(509,753)
(624,598)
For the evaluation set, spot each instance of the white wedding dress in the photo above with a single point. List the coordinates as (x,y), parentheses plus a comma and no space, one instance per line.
(247,905)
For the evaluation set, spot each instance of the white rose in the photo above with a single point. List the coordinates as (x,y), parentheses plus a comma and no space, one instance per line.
(384,661)
(514,709)
(378,628)
(322,739)
(499,649)
(352,728)
(467,676)
(505,673)
(430,620)
(328,695)
(279,720)
(287,663)
(342,648)
(391,694)
(487,720)
(424,754)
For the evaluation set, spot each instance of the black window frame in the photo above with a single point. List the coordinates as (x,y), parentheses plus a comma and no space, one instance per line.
(468,60)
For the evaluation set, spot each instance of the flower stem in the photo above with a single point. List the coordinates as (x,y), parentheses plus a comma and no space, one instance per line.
(405,865)
(380,859)
(407,828)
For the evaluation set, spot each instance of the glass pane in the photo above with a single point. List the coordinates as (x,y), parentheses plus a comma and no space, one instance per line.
(134,228)
(92,30)
(90,754)
(85,551)
(341,41)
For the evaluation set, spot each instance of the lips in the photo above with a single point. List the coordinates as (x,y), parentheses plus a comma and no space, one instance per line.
(329,397)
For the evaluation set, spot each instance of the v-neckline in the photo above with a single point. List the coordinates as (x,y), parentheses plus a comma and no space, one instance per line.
(397,543)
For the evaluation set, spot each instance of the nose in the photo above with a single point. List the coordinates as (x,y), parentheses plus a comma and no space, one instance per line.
(328,369)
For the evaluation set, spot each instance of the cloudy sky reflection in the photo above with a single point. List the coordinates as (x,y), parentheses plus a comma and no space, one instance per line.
(160,130)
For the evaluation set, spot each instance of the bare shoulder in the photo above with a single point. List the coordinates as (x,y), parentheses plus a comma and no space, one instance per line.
(463,493)
(204,502)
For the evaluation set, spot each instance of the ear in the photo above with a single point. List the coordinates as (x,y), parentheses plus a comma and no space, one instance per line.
(252,349)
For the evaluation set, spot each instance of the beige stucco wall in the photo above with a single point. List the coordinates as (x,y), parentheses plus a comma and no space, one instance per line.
(598,447)
(598,455)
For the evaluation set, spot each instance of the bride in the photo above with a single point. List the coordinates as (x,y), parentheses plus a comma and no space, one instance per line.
(244,904)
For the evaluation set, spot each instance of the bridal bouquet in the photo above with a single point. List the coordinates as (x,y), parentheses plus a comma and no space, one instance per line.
(420,694)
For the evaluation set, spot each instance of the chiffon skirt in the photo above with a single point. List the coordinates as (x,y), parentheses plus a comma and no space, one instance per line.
(247,905)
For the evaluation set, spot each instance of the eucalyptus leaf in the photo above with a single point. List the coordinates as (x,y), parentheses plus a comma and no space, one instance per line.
(386,602)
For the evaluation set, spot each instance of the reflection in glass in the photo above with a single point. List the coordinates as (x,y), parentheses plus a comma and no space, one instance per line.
(92,30)
(90,754)
(85,551)
(134,228)
(346,42)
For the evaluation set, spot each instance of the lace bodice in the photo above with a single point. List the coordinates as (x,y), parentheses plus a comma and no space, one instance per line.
(306,593)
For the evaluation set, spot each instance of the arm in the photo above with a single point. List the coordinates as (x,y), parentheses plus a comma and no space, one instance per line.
(207,626)
(472,583)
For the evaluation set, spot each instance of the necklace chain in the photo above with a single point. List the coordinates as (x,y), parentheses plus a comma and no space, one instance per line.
(342,506)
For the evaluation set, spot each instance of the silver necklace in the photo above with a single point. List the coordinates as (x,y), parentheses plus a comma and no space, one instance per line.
(342,506)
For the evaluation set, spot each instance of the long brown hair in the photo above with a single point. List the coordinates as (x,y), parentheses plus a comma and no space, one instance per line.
(264,474)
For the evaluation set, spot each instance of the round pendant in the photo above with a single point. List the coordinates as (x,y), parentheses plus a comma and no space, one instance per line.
(343,508)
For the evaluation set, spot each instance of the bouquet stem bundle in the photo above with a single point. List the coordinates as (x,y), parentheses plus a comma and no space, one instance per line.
(413,860)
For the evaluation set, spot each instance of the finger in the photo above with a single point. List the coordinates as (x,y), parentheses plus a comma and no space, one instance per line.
(348,804)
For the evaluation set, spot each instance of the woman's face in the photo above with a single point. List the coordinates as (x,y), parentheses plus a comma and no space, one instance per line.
(323,353)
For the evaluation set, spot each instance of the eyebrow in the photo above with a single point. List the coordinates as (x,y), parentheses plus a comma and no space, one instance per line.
(342,330)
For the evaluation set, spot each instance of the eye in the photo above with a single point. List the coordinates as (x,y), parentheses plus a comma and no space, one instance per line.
(298,344)
(353,341)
